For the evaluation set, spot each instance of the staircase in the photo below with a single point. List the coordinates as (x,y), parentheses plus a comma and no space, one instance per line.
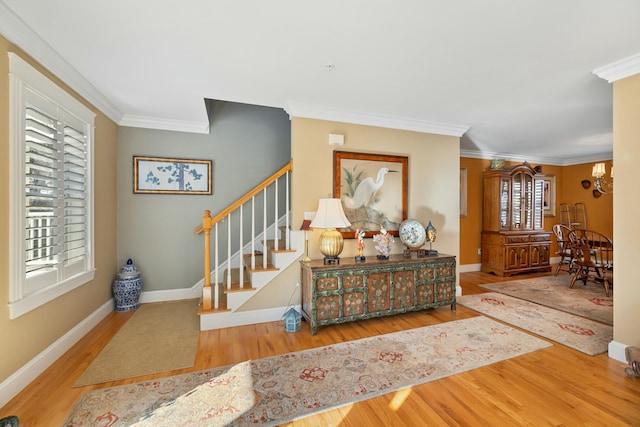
(261,257)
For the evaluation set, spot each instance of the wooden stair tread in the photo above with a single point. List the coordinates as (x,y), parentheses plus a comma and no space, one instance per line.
(259,266)
(222,303)
(235,287)
(283,250)
(220,309)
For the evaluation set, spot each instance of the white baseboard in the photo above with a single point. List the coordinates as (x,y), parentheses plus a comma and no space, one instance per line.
(240,318)
(10,387)
(172,294)
(616,351)
(466,268)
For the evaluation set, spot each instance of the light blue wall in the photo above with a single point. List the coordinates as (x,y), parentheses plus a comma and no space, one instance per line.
(247,145)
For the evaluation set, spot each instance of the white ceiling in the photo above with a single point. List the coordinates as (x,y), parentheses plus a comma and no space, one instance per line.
(514,77)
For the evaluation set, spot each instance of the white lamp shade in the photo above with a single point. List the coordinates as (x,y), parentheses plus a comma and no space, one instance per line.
(598,170)
(330,215)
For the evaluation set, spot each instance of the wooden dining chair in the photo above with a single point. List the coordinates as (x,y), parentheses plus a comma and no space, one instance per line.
(593,257)
(564,248)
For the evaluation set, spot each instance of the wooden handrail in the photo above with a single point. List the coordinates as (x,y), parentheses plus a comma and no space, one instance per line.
(286,168)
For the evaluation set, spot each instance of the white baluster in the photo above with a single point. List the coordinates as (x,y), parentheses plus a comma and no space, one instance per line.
(216,272)
(286,214)
(229,251)
(253,233)
(264,228)
(275,226)
(241,266)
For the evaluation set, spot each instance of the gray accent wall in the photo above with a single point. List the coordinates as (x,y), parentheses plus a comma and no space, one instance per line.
(247,144)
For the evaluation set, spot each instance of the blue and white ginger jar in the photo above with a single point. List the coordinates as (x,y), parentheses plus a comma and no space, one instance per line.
(127,288)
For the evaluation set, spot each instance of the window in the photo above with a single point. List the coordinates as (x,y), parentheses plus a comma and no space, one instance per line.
(51,218)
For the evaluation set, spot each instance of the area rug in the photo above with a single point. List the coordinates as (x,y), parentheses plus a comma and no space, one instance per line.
(158,337)
(585,335)
(279,389)
(587,300)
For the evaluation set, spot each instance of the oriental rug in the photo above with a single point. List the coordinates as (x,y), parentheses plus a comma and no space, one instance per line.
(585,335)
(282,388)
(586,300)
(158,337)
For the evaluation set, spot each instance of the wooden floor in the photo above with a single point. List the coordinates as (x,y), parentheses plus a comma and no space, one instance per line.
(555,386)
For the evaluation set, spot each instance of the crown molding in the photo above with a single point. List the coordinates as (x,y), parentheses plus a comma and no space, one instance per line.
(394,122)
(620,69)
(14,29)
(165,124)
(19,33)
(553,161)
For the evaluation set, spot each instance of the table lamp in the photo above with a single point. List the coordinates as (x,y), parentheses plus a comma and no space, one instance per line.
(306,227)
(329,217)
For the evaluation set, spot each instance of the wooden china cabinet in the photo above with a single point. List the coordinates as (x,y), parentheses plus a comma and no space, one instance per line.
(513,237)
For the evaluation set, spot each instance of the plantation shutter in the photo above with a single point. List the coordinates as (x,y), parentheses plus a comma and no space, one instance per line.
(75,198)
(51,191)
(56,193)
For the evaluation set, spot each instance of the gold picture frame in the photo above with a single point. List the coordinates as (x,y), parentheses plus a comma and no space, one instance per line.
(164,175)
(381,200)
(549,195)
(463,192)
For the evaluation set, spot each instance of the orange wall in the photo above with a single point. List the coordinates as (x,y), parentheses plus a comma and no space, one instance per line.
(599,211)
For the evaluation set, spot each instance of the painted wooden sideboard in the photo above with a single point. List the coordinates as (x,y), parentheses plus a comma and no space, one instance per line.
(353,291)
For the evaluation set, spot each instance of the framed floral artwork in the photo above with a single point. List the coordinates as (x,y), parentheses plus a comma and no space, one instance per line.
(160,175)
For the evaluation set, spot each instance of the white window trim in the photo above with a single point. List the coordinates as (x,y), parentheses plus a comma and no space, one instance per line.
(23,77)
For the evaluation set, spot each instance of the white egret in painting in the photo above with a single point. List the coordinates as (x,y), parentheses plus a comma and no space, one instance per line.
(366,190)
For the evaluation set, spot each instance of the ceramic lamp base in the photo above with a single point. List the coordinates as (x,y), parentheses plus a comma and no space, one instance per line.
(331,243)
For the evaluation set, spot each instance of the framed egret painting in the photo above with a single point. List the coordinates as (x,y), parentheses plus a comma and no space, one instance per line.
(373,190)
(160,175)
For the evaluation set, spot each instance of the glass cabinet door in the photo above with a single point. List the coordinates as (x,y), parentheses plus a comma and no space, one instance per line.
(527,202)
(523,201)
(504,203)
(516,201)
(538,208)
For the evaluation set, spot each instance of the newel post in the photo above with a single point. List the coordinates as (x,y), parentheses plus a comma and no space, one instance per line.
(206,289)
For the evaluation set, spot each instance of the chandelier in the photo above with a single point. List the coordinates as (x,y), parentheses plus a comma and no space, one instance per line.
(598,172)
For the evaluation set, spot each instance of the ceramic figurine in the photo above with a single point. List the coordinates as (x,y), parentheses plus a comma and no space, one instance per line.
(360,245)
(384,240)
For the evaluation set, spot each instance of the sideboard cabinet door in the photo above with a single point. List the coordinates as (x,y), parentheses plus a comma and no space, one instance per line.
(379,292)
(404,289)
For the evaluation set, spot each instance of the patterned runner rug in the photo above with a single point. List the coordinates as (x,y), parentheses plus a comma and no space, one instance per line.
(278,389)
(587,300)
(582,334)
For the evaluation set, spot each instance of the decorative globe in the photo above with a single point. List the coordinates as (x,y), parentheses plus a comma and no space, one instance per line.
(412,233)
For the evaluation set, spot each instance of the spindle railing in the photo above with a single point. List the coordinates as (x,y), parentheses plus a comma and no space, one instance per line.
(211,295)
